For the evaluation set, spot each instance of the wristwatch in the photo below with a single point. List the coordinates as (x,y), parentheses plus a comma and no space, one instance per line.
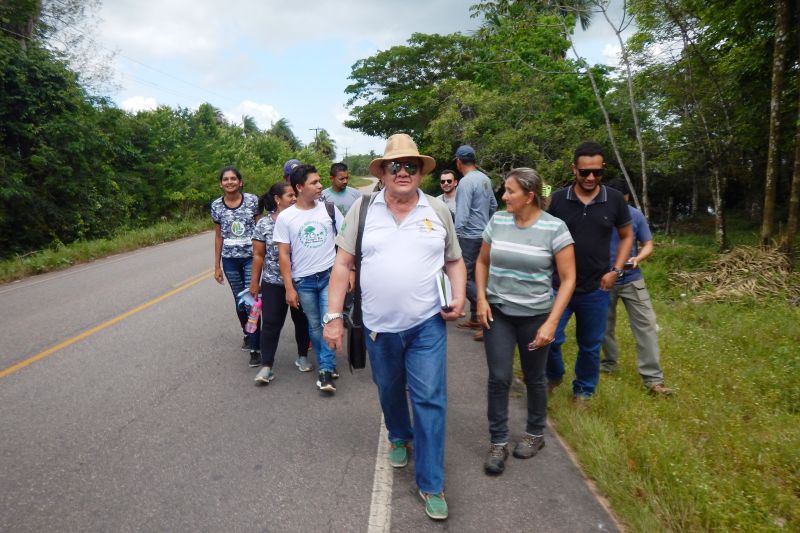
(327,317)
(619,272)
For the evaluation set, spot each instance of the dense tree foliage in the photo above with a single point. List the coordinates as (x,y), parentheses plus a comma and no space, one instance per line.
(73,166)
(699,91)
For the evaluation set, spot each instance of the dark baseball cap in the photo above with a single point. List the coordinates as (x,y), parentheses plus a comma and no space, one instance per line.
(289,166)
(465,152)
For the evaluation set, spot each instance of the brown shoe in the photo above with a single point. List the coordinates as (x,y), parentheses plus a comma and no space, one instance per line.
(478,336)
(551,386)
(469,324)
(659,389)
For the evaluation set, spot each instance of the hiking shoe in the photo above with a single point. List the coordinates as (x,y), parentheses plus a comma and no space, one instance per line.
(495,461)
(255,359)
(551,386)
(659,389)
(335,374)
(581,400)
(325,382)
(302,364)
(265,375)
(398,454)
(478,336)
(245,344)
(435,505)
(469,324)
(528,446)
(608,369)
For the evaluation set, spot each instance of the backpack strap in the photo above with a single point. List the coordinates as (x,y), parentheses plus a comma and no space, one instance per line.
(366,201)
(329,206)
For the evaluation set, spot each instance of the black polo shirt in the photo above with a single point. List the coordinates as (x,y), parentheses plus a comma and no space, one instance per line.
(591,226)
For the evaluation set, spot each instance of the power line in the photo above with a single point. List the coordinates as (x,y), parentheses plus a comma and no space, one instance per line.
(145,65)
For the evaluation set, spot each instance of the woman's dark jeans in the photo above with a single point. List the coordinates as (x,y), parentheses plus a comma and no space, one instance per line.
(273,315)
(508,331)
(237,272)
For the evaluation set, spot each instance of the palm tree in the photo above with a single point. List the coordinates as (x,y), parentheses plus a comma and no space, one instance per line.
(249,126)
(283,130)
(324,145)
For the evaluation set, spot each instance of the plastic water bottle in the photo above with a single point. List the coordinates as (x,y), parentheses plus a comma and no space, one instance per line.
(252,318)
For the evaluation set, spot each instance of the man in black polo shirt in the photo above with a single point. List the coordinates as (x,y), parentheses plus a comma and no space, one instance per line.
(591,211)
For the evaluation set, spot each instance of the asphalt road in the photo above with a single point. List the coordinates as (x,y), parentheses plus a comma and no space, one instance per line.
(145,417)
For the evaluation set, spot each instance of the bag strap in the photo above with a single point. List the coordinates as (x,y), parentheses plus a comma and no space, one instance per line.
(330,206)
(366,201)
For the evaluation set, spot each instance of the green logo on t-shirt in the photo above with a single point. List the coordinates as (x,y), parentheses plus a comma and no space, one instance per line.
(313,235)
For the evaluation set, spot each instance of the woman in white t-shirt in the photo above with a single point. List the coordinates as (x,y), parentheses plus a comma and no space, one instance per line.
(521,248)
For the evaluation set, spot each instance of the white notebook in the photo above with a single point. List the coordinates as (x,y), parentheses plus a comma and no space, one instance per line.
(445,289)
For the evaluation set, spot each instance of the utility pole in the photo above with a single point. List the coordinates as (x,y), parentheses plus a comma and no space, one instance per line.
(316,133)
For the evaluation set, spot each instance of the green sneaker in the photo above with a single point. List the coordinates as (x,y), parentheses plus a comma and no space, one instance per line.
(435,505)
(398,455)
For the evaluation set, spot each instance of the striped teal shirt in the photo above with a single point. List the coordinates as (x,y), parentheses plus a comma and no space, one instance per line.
(521,262)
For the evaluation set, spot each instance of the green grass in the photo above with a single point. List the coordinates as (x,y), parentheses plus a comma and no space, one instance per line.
(722,454)
(358,181)
(65,256)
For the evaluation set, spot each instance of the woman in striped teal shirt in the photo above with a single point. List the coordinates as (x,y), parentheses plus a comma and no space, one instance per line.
(521,248)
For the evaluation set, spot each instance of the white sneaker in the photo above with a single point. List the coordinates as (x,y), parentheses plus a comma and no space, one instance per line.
(302,364)
(265,375)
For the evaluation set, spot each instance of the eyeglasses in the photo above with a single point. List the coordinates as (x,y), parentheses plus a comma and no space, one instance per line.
(395,166)
(584,172)
(446,181)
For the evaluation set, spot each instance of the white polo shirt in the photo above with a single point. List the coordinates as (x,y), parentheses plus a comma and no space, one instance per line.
(400,261)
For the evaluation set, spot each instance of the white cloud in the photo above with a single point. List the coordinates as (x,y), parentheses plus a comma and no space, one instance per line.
(265,114)
(611,54)
(135,104)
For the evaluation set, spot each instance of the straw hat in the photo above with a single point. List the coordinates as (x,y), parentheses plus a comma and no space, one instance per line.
(397,146)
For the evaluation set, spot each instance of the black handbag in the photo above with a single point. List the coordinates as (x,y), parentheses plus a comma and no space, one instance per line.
(356,342)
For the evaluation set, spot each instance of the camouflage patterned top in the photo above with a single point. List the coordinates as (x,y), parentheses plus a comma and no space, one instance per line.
(236,225)
(271,271)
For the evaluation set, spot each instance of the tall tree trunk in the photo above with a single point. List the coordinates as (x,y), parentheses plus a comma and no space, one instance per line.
(787,245)
(599,99)
(695,196)
(603,6)
(668,224)
(782,24)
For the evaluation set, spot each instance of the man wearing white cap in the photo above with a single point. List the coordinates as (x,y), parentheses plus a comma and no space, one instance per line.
(408,237)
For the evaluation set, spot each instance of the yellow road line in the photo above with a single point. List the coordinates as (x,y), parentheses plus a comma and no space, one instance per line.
(99,327)
(191,278)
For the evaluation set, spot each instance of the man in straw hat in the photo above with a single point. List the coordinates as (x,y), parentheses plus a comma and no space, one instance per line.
(407,239)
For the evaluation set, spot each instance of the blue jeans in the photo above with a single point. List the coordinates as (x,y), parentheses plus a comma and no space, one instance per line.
(470,249)
(313,293)
(237,272)
(416,357)
(591,313)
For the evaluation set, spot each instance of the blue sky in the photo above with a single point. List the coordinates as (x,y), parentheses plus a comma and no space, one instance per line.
(273,59)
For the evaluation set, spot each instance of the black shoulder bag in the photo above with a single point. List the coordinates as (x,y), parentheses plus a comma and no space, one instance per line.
(356,343)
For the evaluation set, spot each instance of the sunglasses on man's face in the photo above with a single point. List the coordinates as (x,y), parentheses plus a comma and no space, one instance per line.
(584,172)
(395,166)
(446,181)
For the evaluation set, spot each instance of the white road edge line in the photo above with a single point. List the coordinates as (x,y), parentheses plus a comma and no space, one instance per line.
(380,509)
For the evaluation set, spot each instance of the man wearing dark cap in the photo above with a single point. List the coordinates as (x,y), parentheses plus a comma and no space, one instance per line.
(288,167)
(475,205)
(630,288)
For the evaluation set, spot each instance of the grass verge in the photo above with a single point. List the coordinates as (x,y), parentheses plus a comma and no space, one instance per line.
(722,454)
(65,256)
